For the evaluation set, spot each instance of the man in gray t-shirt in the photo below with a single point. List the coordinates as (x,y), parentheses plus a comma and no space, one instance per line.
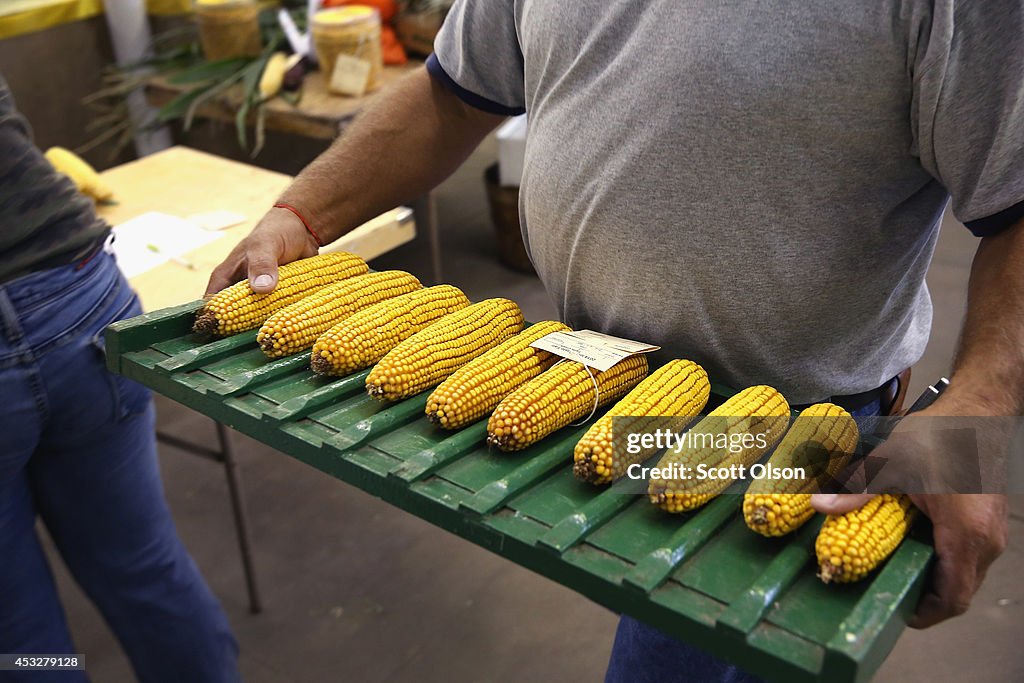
(682,158)
(755,186)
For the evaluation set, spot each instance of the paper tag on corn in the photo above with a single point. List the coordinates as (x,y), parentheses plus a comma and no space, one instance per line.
(593,349)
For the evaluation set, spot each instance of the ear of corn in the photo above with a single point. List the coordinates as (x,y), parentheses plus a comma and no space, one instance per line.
(81,173)
(849,546)
(758,410)
(273,75)
(433,354)
(556,398)
(478,387)
(366,336)
(237,308)
(295,327)
(672,396)
(821,442)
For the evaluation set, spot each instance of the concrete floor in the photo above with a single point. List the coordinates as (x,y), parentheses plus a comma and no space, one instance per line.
(357,590)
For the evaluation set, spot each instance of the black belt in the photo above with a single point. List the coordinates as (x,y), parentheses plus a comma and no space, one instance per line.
(854,402)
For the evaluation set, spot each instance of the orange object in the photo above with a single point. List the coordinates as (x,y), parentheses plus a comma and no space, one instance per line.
(391,48)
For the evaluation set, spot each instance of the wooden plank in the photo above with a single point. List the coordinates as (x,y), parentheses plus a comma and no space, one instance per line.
(378,235)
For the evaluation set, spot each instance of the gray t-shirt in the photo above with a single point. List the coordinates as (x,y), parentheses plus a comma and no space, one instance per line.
(756,186)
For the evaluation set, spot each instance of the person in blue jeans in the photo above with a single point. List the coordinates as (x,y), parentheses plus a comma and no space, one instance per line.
(77,446)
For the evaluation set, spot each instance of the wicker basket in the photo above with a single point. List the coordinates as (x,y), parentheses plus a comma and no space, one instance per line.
(504,203)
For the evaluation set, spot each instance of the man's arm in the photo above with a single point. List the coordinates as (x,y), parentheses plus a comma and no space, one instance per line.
(989,367)
(406,142)
(970,530)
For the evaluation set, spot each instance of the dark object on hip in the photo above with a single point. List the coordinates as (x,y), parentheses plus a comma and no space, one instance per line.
(890,396)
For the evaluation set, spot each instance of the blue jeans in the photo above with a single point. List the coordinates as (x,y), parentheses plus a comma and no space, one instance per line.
(643,654)
(78,451)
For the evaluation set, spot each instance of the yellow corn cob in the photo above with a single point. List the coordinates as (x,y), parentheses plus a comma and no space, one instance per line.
(821,442)
(433,354)
(758,411)
(237,308)
(478,387)
(365,337)
(849,546)
(83,175)
(555,398)
(273,75)
(673,395)
(295,327)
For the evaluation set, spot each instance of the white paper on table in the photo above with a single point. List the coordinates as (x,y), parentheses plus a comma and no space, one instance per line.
(172,236)
(217,220)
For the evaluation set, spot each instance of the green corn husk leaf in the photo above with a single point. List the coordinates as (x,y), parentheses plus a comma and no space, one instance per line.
(175,57)
(185,36)
(250,90)
(260,130)
(250,86)
(178,107)
(209,71)
(210,93)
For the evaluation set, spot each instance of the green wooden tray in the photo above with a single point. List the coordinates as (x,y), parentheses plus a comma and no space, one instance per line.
(702,577)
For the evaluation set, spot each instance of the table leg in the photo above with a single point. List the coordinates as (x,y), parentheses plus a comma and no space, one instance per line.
(241,516)
(425,209)
(434,233)
(226,456)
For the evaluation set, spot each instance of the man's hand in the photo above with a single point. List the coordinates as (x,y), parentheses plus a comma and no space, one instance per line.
(279,238)
(970,532)
(970,529)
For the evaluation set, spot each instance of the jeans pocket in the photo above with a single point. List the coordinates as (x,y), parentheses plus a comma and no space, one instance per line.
(128,396)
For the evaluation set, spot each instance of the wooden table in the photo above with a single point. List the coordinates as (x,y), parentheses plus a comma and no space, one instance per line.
(319,115)
(181,182)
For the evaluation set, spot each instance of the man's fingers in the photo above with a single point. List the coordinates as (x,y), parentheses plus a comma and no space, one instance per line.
(224,275)
(964,554)
(954,582)
(839,504)
(262,270)
(932,610)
